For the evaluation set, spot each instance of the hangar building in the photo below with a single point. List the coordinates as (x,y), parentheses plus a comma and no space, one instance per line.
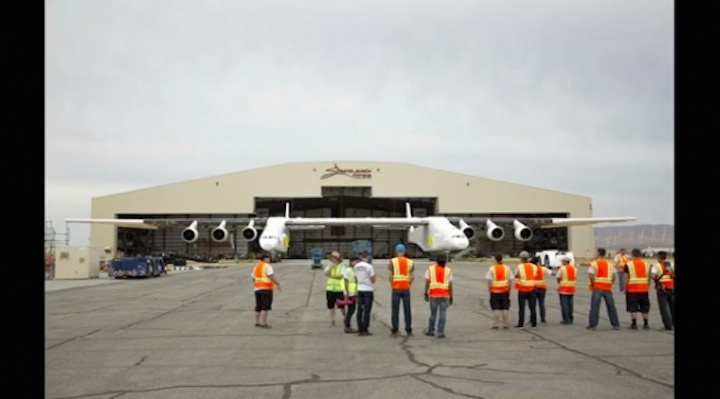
(337,189)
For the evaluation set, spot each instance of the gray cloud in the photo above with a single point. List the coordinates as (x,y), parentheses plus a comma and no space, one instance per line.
(573,96)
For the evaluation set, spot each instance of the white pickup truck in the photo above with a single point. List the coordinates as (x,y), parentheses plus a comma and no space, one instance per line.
(550,257)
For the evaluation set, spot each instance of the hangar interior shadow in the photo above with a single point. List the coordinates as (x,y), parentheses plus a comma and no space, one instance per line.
(336,202)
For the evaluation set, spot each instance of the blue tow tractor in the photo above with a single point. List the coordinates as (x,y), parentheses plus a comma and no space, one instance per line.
(137,266)
(317,256)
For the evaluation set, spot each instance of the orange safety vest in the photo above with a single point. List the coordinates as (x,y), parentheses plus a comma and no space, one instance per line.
(500,283)
(401,273)
(540,277)
(603,275)
(439,281)
(666,279)
(567,279)
(622,261)
(262,282)
(525,282)
(639,276)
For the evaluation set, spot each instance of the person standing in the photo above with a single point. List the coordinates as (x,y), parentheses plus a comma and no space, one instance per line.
(621,259)
(334,289)
(439,292)
(264,280)
(566,277)
(525,274)
(601,276)
(499,277)
(350,284)
(637,286)
(401,278)
(664,276)
(541,286)
(365,275)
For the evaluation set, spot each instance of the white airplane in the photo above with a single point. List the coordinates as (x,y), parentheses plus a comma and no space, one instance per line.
(432,233)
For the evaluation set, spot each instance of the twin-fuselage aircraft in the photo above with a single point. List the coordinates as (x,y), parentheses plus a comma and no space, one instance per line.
(433,234)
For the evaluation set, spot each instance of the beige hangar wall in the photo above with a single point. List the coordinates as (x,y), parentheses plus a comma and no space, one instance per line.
(235,193)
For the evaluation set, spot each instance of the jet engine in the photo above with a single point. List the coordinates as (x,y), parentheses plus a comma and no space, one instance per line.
(249,233)
(467,230)
(220,233)
(522,232)
(494,232)
(190,233)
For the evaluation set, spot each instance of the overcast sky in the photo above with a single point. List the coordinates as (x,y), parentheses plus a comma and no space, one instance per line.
(575,96)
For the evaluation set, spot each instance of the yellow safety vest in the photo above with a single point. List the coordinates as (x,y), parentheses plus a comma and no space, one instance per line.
(333,284)
(352,281)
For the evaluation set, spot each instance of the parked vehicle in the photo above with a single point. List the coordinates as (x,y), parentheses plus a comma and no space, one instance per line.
(550,257)
(137,266)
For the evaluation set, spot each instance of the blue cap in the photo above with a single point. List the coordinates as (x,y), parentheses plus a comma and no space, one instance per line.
(400,248)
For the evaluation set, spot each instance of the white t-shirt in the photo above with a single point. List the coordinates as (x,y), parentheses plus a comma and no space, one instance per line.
(363,272)
(270,272)
(488,276)
(347,275)
(427,275)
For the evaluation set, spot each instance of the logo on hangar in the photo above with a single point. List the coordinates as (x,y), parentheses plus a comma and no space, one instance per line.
(352,173)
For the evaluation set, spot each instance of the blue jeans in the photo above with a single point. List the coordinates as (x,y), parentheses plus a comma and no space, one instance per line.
(620,280)
(566,308)
(540,294)
(364,306)
(436,304)
(531,299)
(397,296)
(597,296)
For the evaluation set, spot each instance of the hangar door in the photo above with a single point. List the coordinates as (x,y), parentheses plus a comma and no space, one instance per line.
(345,202)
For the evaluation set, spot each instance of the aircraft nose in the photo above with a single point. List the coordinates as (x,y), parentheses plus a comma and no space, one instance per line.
(462,242)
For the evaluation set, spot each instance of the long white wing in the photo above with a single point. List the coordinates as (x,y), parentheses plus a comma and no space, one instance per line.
(167,223)
(132,223)
(566,222)
(543,223)
(291,223)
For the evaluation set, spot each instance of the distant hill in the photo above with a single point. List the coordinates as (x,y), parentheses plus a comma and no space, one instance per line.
(639,236)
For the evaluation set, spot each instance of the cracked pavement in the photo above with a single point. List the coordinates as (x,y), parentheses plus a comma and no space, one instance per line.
(192,334)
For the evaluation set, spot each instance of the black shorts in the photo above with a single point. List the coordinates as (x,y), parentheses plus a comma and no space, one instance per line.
(332,297)
(499,301)
(638,302)
(263,300)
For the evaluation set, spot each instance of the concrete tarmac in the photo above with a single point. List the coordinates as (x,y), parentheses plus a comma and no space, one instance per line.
(192,335)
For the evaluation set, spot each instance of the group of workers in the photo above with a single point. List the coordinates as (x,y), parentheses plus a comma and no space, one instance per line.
(350,290)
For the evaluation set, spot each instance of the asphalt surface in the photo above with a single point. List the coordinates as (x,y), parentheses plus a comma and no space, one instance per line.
(191,335)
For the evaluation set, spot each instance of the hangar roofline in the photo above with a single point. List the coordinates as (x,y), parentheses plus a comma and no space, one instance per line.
(344,161)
